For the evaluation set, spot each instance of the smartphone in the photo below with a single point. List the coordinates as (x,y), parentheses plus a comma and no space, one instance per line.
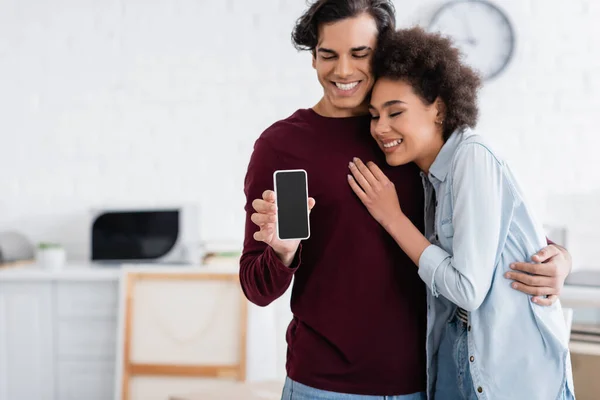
(291,191)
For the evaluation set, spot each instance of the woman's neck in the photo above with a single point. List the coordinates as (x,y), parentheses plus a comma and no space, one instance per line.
(427,159)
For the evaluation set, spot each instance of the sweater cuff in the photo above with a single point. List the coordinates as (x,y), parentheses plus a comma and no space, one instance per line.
(430,260)
(274,260)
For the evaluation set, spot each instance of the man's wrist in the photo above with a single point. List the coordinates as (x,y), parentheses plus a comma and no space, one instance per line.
(286,258)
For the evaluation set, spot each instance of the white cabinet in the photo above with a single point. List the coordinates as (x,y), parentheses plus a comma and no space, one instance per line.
(26,341)
(58,335)
(86,332)
(89,380)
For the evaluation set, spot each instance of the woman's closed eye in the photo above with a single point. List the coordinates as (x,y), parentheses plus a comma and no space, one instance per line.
(374,117)
(395,114)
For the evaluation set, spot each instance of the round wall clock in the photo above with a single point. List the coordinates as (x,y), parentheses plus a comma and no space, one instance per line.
(481,30)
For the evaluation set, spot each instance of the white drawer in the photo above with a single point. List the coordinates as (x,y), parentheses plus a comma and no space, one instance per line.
(87,299)
(86,380)
(87,339)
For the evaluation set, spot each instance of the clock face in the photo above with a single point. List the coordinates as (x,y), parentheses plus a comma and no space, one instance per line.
(481,31)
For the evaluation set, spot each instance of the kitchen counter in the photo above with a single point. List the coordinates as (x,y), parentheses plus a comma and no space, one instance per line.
(95,272)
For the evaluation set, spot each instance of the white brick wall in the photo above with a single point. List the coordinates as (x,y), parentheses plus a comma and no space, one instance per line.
(125,102)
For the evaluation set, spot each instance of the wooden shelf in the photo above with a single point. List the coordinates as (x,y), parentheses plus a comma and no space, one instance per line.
(592,349)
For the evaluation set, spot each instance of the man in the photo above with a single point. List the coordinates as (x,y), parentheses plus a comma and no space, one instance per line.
(359,307)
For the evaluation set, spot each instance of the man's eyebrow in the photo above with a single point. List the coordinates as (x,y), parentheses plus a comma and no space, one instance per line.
(324,50)
(354,49)
(361,48)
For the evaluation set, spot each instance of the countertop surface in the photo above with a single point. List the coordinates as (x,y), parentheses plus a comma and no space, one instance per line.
(99,272)
(572,295)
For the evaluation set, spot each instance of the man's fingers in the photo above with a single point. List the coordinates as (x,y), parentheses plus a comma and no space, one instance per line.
(546,253)
(533,290)
(548,269)
(263,235)
(269,195)
(262,219)
(531,280)
(259,236)
(263,207)
(545,301)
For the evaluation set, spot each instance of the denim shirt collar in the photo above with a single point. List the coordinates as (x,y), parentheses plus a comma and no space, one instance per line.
(441,165)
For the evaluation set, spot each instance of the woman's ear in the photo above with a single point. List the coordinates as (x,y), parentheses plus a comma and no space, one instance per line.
(440,108)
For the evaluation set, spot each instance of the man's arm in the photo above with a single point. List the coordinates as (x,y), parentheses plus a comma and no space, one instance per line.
(263,275)
(549,269)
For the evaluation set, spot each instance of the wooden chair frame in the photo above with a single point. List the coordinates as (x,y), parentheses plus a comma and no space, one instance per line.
(129,369)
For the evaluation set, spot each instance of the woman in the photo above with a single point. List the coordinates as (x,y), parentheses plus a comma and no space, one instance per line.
(485,340)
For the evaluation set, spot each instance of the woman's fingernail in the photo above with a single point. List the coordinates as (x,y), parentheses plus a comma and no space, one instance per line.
(512,266)
(351,164)
(355,159)
(349,177)
(507,275)
(514,285)
(534,300)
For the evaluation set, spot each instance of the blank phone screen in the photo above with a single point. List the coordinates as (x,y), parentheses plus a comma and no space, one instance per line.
(292,208)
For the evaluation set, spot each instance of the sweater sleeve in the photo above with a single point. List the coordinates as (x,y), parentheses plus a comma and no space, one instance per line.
(263,276)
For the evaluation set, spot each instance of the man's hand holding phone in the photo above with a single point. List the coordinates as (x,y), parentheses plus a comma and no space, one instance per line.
(265,218)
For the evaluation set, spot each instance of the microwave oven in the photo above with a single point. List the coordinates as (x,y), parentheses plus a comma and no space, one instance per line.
(162,235)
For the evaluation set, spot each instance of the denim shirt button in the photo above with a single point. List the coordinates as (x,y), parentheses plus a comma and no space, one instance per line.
(472,358)
(469,328)
(480,389)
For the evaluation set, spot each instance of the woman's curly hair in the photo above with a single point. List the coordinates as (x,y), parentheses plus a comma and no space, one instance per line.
(432,65)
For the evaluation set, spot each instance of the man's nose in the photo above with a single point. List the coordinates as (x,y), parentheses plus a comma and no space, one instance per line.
(344,68)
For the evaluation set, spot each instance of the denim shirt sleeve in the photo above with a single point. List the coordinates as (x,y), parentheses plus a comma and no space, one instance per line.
(477,189)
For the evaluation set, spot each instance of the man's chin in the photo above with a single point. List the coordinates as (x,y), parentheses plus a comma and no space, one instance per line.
(351,103)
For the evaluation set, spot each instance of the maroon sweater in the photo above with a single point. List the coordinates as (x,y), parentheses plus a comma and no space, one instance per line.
(359,305)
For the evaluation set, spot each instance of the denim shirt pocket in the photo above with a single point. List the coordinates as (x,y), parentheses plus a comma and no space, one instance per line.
(446,234)
(447,228)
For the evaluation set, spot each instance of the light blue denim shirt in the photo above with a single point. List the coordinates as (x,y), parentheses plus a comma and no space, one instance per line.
(479,225)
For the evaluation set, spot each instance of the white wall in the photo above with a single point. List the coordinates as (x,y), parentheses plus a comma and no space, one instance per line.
(130,102)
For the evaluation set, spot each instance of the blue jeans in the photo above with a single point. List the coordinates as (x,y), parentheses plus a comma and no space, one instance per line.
(454,375)
(297,391)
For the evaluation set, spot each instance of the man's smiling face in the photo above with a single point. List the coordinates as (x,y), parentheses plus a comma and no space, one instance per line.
(343,63)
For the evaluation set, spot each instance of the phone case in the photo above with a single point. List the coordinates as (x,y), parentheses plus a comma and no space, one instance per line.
(277,198)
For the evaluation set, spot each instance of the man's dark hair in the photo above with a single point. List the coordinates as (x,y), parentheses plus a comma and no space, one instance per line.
(432,65)
(305,35)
